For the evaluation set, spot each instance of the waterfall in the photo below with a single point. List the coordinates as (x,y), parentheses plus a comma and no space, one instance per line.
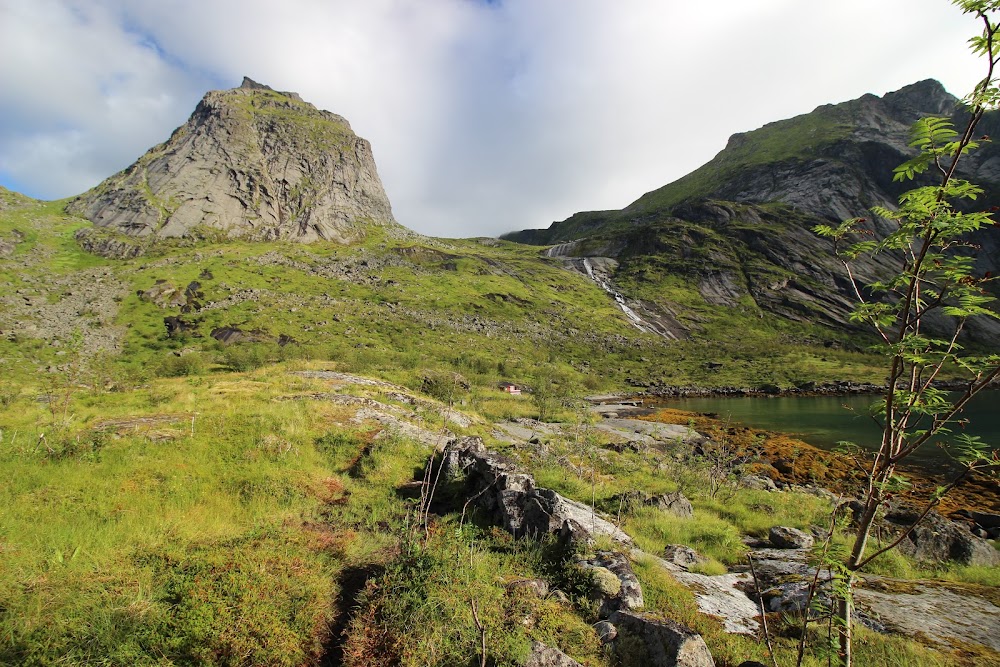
(633,317)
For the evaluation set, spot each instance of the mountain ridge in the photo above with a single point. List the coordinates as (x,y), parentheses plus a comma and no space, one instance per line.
(885,120)
(741,225)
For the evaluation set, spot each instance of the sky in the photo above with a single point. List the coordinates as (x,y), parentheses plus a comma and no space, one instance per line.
(485,116)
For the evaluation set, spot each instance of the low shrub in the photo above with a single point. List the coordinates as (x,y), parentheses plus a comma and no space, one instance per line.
(190,363)
(242,357)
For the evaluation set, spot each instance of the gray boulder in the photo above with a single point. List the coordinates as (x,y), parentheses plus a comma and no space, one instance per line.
(784,537)
(615,585)
(676,503)
(511,499)
(682,556)
(656,642)
(791,597)
(538,588)
(759,482)
(936,539)
(606,631)
(574,537)
(673,502)
(546,656)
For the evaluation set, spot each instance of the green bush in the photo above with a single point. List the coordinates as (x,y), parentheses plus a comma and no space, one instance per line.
(191,363)
(445,386)
(241,357)
(8,394)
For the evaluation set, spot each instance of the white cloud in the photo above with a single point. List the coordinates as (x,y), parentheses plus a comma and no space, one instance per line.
(484,117)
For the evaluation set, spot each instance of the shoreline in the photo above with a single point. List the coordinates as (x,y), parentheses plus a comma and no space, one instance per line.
(788,460)
(835,388)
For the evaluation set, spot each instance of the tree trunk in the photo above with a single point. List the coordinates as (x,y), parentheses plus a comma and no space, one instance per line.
(845,612)
(845,605)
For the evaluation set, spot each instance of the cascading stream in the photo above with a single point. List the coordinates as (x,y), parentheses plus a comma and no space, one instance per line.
(633,317)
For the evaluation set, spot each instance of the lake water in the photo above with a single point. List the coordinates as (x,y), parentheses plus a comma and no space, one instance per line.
(825,420)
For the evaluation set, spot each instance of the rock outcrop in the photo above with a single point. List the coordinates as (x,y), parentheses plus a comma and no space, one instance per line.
(511,499)
(250,163)
(674,502)
(546,656)
(615,585)
(658,642)
(936,539)
(784,537)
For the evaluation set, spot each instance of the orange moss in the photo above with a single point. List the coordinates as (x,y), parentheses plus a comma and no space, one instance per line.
(792,461)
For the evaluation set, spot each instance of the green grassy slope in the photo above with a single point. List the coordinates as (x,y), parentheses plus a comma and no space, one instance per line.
(174,500)
(229,518)
(490,310)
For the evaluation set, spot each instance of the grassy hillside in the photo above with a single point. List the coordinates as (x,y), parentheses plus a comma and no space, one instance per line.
(231,518)
(490,310)
(174,499)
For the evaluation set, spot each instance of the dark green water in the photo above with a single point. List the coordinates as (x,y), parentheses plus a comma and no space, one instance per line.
(825,420)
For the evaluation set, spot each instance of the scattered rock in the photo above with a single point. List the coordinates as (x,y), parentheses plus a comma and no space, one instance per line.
(936,539)
(559,596)
(660,642)
(677,504)
(57,307)
(758,482)
(606,631)
(784,537)
(538,588)
(604,584)
(651,433)
(546,656)
(682,556)
(622,447)
(511,499)
(574,538)
(674,503)
(230,335)
(177,326)
(615,585)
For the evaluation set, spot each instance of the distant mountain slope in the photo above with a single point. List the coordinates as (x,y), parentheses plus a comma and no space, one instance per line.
(835,162)
(740,226)
(250,163)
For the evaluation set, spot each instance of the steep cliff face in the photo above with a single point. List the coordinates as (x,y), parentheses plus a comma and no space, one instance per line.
(250,163)
(741,225)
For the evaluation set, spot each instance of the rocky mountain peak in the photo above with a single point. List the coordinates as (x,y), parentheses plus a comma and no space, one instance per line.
(253,85)
(250,84)
(923,98)
(252,163)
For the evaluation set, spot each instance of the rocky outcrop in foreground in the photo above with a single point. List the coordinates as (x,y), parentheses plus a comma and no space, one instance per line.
(511,499)
(250,163)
